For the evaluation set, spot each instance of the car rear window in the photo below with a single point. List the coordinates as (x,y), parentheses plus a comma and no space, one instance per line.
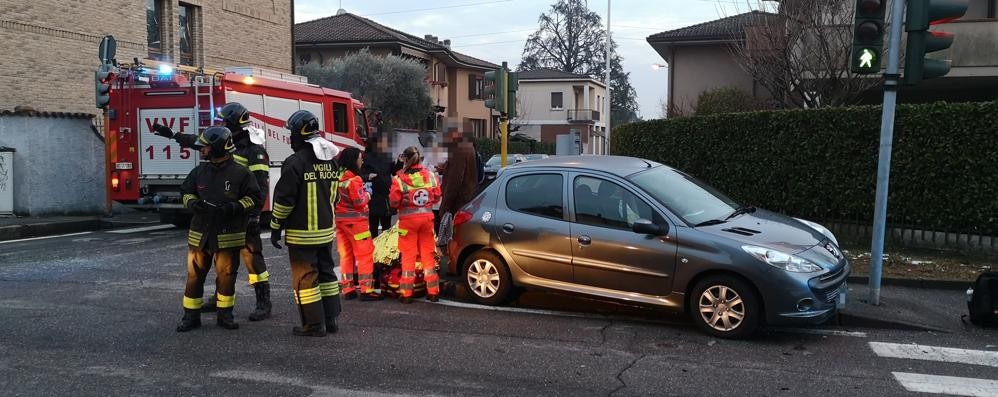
(538,194)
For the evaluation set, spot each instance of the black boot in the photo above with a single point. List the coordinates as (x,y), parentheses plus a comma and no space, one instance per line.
(210,304)
(331,308)
(191,320)
(311,321)
(405,300)
(371,296)
(225,319)
(262,311)
(432,297)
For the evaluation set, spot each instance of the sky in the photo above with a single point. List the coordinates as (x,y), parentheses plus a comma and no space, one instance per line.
(495,30)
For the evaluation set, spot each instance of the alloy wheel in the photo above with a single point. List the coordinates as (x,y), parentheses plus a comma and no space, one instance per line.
(483,278)
(722,308)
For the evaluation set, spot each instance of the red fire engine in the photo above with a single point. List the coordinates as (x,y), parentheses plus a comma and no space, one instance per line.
(147,169)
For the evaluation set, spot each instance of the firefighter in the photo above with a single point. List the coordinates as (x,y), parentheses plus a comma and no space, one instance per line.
(352,229)
(414,192)
(253,156)
(303,208)
(221,194)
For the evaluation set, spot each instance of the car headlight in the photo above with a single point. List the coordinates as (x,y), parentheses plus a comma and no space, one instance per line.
(820,229)
(782,260)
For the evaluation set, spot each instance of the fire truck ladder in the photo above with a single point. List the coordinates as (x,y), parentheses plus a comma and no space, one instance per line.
(203,86)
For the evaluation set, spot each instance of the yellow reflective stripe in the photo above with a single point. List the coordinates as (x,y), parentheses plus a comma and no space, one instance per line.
(193,303)
(259,278)
(193,238)
(313,207)
(240,160)
(232,236)
(307,296)
(188,198)
(274,225)
(281,211)
(329,289)
(311,233)
(259,167)
(417,180)
(225,302)
(403,232)
(233,244)
(309,241)
(363,235)
(247,202)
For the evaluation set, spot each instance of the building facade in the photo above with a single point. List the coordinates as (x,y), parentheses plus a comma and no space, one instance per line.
(552,103)
(456,80)
(50,47)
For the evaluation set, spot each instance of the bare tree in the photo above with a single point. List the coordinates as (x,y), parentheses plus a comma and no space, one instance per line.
(800,53)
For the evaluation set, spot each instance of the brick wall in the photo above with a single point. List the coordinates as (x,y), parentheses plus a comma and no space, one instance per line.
(49,47)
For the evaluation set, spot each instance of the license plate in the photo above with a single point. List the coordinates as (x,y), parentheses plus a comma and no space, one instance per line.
(122,166)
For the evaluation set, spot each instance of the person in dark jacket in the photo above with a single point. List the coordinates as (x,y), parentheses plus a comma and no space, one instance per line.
(253,156)
(221,193)
(377,170)
(303,208)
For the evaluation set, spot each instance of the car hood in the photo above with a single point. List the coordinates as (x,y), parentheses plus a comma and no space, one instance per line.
(769,230)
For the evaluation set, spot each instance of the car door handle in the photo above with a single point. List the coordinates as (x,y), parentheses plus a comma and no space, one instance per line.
(508,228)
(585,240)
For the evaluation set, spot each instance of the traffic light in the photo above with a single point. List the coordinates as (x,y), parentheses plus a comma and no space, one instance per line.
(922,14)
(495,89)
(868,36)
(512,84)
(103,78)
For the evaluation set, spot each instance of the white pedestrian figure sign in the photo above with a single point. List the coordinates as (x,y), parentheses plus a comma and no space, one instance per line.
(866,58)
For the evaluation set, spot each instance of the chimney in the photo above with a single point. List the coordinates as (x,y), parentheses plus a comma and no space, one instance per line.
(447,43)
(428,37)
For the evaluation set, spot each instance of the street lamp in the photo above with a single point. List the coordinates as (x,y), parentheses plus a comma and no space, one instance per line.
(657,66)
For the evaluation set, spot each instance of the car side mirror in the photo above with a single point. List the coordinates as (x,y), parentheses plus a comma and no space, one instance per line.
(644,226)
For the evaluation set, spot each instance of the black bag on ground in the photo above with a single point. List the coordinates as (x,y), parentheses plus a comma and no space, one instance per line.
(982,300)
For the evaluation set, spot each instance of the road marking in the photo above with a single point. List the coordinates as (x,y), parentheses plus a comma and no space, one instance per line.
(816,331)
(142,229)
(518,310)
(44,237)
(951,385)
(264,235)
(935,353)
(317,390)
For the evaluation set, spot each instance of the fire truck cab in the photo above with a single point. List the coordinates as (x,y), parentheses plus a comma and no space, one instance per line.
(147,169)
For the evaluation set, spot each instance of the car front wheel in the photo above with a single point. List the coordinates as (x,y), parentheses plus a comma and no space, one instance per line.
(725,306)
(487,278)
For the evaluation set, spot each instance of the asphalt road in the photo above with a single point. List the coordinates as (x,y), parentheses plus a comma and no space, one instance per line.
(94,314)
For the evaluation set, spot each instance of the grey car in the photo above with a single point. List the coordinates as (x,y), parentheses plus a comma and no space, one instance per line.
(634,230)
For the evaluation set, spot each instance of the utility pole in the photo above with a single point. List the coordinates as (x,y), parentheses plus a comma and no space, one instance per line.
(608,48)
(891,81)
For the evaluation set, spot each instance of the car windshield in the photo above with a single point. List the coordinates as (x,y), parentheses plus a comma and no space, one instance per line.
(494,161)
(684,195)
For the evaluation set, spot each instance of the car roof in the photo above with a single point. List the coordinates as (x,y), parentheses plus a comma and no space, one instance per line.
(617,165)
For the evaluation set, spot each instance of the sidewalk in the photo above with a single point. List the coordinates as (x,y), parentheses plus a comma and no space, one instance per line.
(938,310)
(17,228)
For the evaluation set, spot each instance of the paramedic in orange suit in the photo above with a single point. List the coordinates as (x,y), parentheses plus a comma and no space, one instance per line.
(414,191)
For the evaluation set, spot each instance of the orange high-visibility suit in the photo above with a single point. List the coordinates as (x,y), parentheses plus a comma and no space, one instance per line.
(414,192)
(353,235)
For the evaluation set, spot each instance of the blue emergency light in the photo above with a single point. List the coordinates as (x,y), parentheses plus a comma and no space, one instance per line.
(165,70)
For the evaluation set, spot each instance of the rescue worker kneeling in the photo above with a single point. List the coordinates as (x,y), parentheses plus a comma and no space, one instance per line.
(414,192)
(220,193)
(353,230)
(303,206)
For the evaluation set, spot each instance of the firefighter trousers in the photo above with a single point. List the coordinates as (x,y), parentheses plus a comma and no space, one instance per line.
(317,292)
(252,256)
(198,264)
(416,243)
(353,239)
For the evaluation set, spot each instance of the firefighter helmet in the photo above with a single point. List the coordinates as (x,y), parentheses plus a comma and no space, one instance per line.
(219,139)
(303,126)
(235,115)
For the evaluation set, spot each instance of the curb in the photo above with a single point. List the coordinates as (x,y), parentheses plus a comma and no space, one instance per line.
(916,283)
(48,229)
(855,320)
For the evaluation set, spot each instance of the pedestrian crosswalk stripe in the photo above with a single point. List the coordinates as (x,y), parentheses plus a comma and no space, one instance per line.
(952,385)
(142,229)
(935,353)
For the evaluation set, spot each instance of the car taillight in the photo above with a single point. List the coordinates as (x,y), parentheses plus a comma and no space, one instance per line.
(461,217)
(114,182)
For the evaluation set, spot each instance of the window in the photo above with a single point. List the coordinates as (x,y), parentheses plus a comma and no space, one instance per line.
(477,127)
(538,194)
(360,122)
(340,118)
(476,87)
(599,202)
(556,102)
(441,73)
(154,30)
(187,34)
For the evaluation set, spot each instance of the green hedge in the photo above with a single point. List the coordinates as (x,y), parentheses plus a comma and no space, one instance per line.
(822,164)
(489,147)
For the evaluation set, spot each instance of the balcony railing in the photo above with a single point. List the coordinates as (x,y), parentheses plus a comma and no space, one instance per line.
(583,115)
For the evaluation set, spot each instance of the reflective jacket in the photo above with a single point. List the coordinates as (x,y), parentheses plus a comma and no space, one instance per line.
(247,154)
(220,184)
(303,199)
(352,198)
(414,192)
